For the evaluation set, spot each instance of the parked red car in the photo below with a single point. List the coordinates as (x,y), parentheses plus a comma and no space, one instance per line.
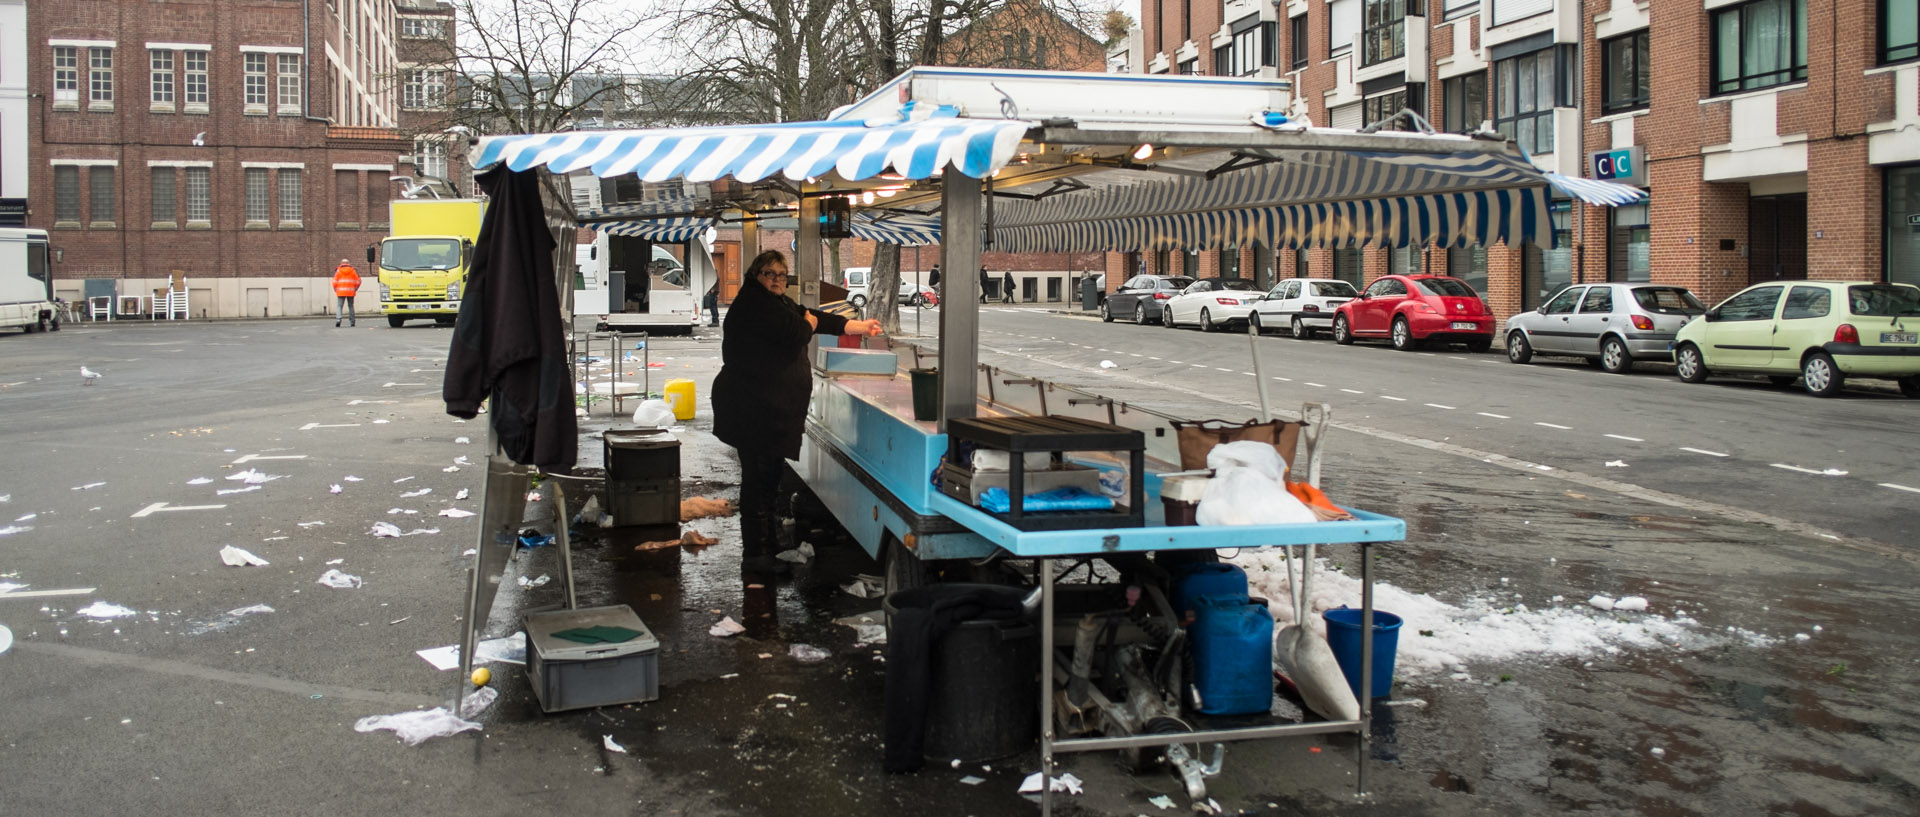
(1410,310)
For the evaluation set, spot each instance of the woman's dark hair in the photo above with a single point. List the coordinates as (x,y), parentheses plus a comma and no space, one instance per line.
(760,263)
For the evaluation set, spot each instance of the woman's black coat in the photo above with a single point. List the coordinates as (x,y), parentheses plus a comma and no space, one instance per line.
(760,396)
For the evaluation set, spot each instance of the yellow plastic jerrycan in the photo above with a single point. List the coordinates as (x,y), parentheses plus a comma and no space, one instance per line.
(679,393)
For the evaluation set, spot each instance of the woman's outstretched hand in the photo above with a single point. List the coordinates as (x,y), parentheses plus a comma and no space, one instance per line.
(859,327)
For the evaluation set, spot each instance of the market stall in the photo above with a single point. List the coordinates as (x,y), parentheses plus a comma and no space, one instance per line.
(1029,161)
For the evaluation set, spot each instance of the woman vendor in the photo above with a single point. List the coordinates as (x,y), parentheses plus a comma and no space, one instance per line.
(760,396)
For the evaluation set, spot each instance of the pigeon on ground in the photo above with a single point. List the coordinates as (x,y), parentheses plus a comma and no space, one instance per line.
(87,376)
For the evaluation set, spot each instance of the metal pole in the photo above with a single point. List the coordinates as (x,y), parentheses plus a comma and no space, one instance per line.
(960,294)
(806,246)
(1366,659)
(566,547)
(1046,682)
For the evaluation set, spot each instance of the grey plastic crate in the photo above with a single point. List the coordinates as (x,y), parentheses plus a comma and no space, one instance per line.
(569,675)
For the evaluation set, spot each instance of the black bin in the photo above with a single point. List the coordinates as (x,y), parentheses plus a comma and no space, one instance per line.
(984,702)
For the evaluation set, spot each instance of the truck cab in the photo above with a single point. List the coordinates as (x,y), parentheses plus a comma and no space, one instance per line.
(423,263)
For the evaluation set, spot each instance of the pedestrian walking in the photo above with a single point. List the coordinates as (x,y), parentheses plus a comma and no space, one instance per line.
(1006,286)
(346,284)
(711,303)
(985,281)
(933,278)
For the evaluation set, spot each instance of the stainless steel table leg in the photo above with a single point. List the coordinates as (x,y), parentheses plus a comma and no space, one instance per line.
(1366,659)
(1046,687)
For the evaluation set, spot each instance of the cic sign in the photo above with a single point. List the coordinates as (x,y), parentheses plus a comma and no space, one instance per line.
(1624,165)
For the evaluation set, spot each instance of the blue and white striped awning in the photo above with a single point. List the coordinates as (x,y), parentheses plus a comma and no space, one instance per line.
(915,147)
(664,230)
(1595,191)
(884,228)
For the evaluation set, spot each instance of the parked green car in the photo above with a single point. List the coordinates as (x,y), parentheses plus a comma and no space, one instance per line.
(1821,332)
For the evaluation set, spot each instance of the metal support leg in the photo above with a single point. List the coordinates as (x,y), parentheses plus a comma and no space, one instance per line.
(1366,659)
(560,537)
(1046,687)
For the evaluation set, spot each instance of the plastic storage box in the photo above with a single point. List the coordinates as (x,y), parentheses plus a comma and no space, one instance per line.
(567,674)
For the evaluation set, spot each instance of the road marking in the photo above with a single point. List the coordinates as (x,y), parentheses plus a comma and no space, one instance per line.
(1151,357)
(126,664)
(1317,385)
(158,507)
(1455,357)
(1438,406)
(1353,391)
(1134,354)
(1283,379)
(38,594)
(391,385)
(1786,467)
(312,426)
(1203,365)
(1494,416)
(251,457)
(1173,361)
(1250,374)
(365,402)
(1899,487)
(1702,451)
(1551,425)
(1394,399)
(1218,369)
(1624,437)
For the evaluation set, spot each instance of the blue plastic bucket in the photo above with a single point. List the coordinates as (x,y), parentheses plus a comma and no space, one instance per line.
(1343,635)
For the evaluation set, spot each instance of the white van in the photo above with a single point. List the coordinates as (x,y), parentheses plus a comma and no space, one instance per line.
(26,281)
(910,295)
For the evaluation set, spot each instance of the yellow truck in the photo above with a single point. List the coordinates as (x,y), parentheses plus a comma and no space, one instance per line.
(423,262)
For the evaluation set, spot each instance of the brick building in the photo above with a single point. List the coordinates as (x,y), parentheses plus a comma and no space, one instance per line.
(245,146)
(1776,138)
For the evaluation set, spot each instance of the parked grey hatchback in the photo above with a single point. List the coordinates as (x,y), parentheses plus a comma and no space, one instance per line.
(1611,325)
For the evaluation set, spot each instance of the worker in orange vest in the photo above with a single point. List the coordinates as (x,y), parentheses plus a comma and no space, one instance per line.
(346,284)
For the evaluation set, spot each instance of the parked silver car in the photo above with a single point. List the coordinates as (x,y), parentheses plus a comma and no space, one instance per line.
(1611,325)
(1302,305)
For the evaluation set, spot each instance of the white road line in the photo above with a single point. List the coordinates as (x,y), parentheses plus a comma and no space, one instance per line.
(391,385)
(251,457)
(1702,451)
(1624,437)
(1317,385)
(1899,487)
(1151,357)
(1182,362)
(162,506)
(1218,369)
(1796,468)
(1394,399)
(1438,406)
(1250,374)
(1203,365)
(1353,391)
(1455,357)
(1134,354)
(1550,425)
(365,402)
(312,426)
(1283,379)
(37,594)
(1494,416)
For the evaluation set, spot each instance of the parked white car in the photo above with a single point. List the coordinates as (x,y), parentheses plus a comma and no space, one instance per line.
(1302,305)
(910,294)
(1210,303)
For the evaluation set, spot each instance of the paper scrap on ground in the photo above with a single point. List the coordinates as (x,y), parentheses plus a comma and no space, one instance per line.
(26,517)
(352,478)
(1487,626)
(1061,782)
(402,479)
(102,609)
(540,582)
(6,639)
(970,780)
(868,628)
(1161,801)
(344,581)
(249,476)
(392,511)
(726,627)
(238,557)
(450,469)
(418,726)
(690,538)
(462,494)
(412,494)
(250,610)
(799,555)
(1616,463)
(1108,364)
(461,440)
(225,491)
(389,530)
(700,507)
(864,586)
(608,742)
(507,650)
(455,513)
(334,488)
(13,529)
(461,460)
(8,587)
(87,487)
(199,481)
(311,524)
(807,653)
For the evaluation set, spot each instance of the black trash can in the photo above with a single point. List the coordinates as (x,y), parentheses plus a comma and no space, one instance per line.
(1089,293)
(984,702)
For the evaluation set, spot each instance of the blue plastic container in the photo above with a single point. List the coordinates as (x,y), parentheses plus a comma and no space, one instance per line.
(1343,635)
(1232,643)
(1196,580)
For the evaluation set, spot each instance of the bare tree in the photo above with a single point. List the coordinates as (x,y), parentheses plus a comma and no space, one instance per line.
(534,66)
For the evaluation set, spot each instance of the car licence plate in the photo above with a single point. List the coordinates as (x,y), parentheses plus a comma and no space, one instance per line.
(1467,325)
(1899,337)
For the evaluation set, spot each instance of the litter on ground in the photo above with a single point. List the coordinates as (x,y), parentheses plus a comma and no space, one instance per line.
(343,581)
(102,610)
(412,494)
(250,610)
(700,507)
(199,481)
(1061,782)
(334,488)
(225,491)
(462,494)
(455,513)
(417,726)
(612,746)
(239,557)
(807,653)
(539,582)
(725,628)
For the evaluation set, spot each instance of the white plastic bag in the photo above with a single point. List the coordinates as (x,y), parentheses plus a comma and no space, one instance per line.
(1248,489)
(417,726)
(653,414)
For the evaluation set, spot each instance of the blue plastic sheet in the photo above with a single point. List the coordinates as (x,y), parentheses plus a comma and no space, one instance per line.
(1058,499)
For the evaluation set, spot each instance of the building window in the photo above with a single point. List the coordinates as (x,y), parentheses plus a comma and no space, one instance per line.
(66,75)
(100,77)
(1297,41)
(1625,81)
(430,157)
(1903,239)
(1349,265)
(1629,245)
(288,82)
(1899,30)
(160,79)
(423,88)
(257,200)
(1759,45)
(379,194)
(1191,66)
(1469,264)
(66,194)
(1525,93)
(199,195)
(290,209)
(1385,36)
(1246,53)
(1463,102)
(100,196)
(1383,107)
(254,66)
(1403,261)
(1300,265)
(165,207)
(1343,26)
(194,63)
(1456,8)
(417,29)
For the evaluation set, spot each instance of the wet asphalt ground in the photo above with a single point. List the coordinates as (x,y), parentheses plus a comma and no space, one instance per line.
(185,708)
